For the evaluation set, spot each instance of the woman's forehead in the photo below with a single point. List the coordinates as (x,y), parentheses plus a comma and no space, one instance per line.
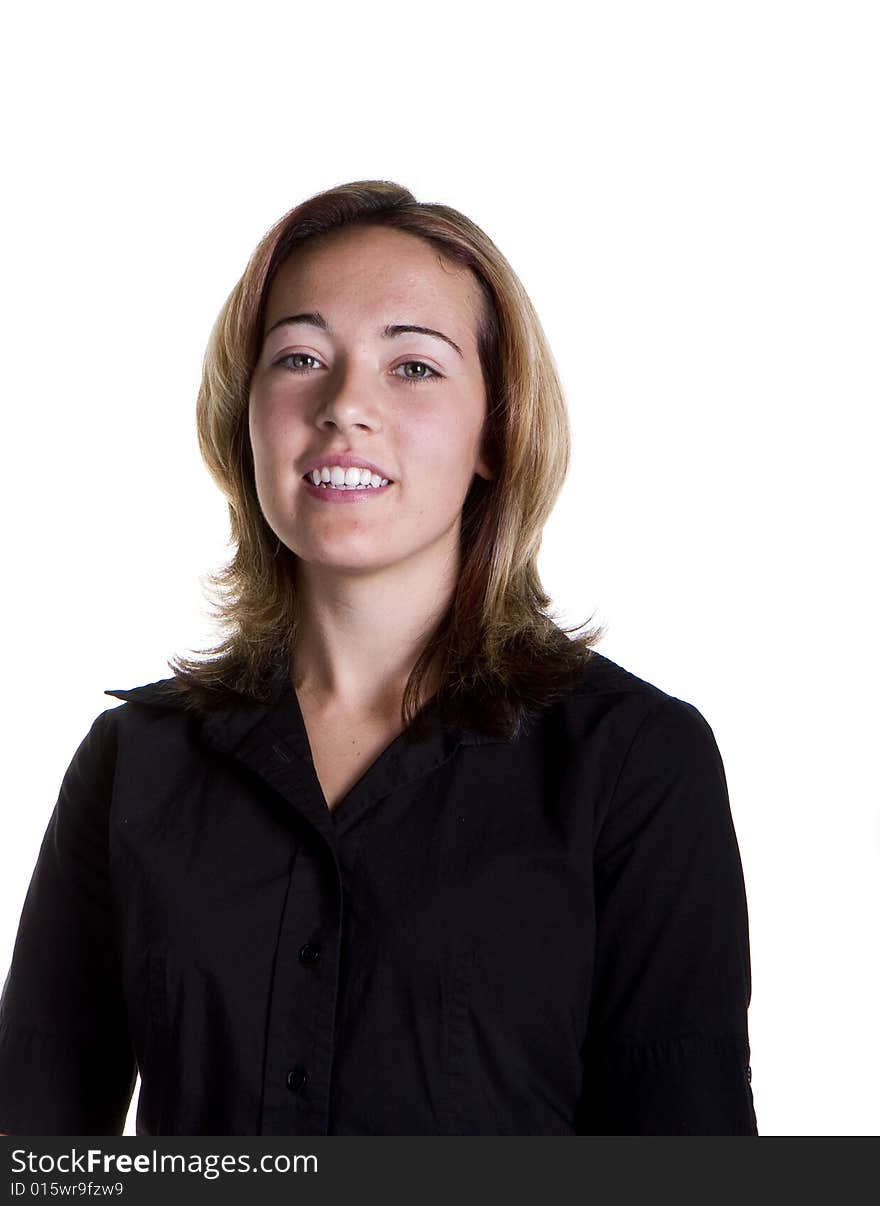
(370,273)
(382,254)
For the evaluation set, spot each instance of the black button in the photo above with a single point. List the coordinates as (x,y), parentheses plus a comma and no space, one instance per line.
(297,1079)
(309,954)
(750,1074)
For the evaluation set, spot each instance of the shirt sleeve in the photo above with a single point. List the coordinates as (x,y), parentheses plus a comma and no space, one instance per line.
(667,1048)
(67,1066)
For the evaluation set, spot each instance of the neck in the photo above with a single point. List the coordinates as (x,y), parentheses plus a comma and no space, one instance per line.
(360,635)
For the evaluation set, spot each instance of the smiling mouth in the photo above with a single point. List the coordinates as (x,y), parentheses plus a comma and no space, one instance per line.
(330,485)
(341,489)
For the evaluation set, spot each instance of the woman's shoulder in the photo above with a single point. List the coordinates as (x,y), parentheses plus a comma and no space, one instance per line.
(221,692)
(143,706)
(610,690)
(606,683)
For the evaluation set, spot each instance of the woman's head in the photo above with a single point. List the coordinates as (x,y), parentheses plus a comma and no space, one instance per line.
(364,255)
(347,378)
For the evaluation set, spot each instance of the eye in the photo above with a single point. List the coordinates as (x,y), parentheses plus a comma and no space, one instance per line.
(297,368)
(434,375)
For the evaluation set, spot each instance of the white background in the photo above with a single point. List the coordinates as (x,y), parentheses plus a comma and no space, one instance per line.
(688,191)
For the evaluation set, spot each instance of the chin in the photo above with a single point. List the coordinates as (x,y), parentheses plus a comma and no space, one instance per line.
(347,560)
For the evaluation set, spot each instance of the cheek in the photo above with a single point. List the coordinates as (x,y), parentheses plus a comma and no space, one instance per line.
(438,443)
(271,428)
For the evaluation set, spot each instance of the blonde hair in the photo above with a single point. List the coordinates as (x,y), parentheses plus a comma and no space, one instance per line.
(498,655)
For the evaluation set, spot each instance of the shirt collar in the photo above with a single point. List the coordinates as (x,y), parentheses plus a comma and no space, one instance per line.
(163,694)
(270,738)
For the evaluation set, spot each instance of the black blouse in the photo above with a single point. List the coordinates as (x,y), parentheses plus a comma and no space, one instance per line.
(546,936)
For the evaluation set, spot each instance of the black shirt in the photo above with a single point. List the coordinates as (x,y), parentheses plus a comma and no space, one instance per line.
(543,936)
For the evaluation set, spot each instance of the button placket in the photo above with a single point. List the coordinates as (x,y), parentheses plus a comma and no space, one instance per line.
(304,991)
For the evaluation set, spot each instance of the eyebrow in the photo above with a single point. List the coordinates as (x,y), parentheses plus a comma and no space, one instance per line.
(314,319)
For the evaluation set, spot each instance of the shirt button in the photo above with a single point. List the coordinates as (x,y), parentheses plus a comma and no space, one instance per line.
(309,954)
(297,1079)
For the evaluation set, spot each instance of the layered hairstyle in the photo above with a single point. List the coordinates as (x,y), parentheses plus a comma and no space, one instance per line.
(497,653)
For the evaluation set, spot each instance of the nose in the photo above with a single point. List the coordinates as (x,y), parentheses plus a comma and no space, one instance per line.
(348,404)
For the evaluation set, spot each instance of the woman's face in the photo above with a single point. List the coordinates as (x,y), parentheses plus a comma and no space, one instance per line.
(341,382)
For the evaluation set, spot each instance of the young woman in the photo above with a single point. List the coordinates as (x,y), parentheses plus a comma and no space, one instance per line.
(402,856)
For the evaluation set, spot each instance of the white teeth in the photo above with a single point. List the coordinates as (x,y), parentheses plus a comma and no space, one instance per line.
(335,477)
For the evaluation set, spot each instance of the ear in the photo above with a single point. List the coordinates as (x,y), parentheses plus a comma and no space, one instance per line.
(485,466)
(483,469)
